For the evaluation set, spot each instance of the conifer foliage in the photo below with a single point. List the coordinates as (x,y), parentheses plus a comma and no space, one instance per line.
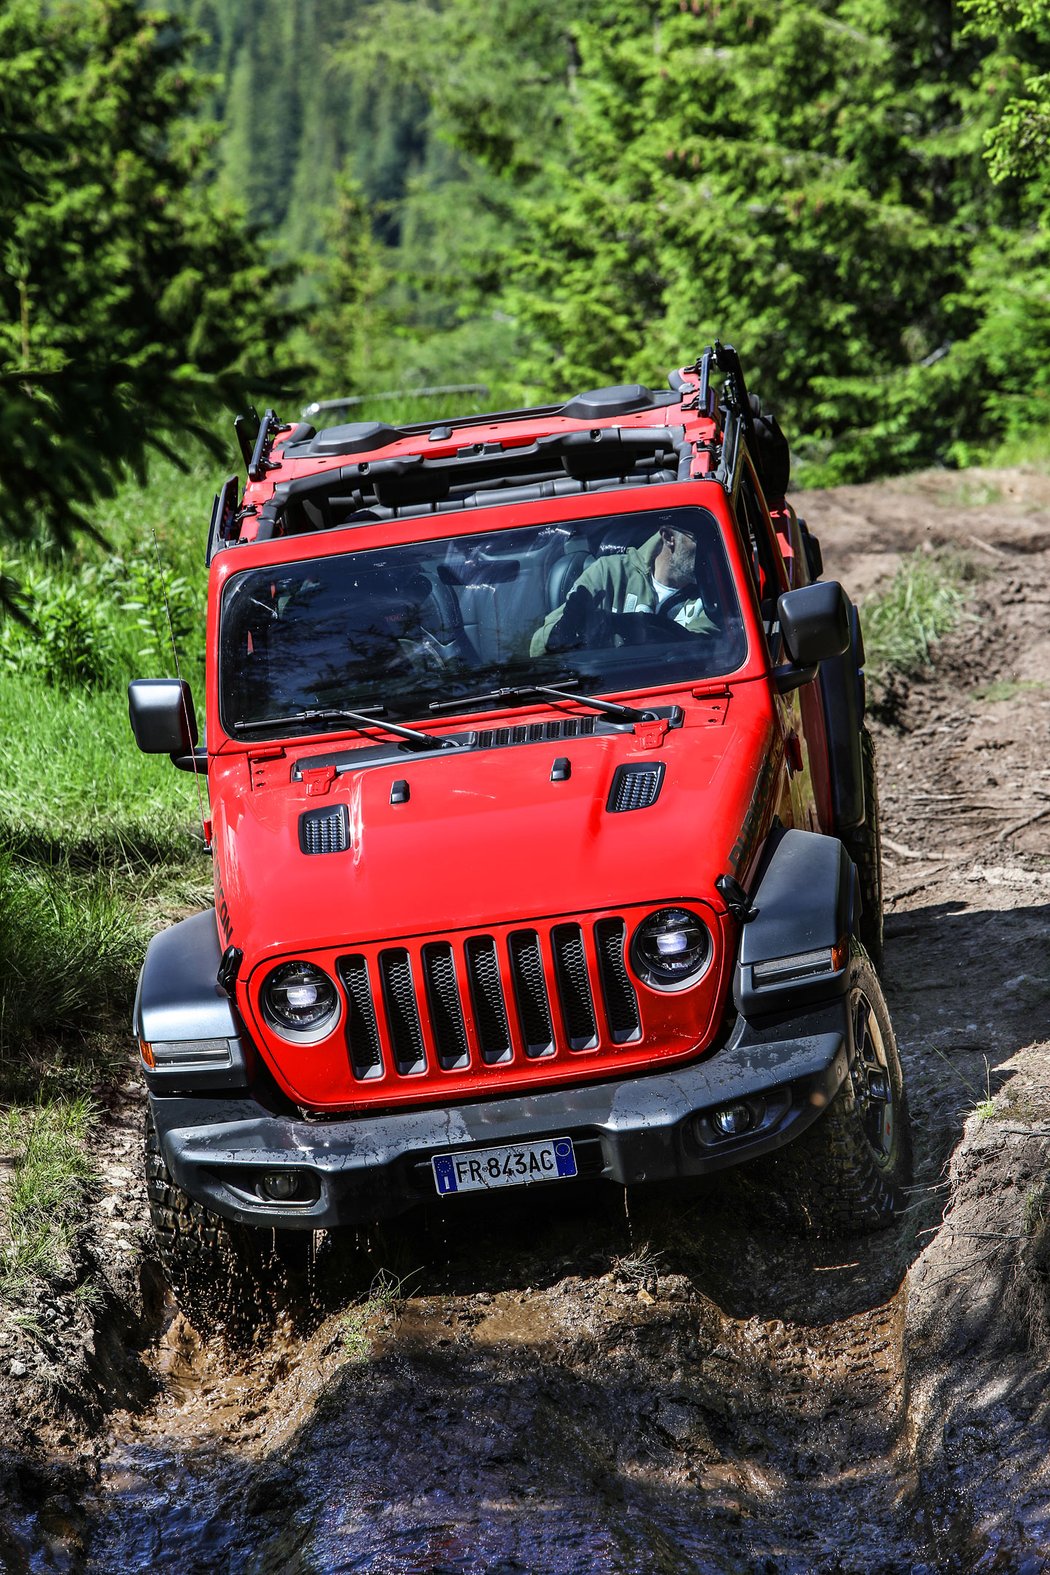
(129,301)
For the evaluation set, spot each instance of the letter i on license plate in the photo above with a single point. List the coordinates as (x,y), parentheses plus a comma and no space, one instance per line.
(516,1165)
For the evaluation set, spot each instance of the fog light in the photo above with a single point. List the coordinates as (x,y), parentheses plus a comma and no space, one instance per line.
(283,1186)
(732,1120)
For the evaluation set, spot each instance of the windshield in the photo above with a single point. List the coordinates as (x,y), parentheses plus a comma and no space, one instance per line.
(620,603)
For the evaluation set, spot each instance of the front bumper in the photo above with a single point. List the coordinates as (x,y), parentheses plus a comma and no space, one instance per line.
(652,1128)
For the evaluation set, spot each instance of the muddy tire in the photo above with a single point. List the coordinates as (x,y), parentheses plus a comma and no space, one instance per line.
(863,843)
(848,1171)
(221,1272)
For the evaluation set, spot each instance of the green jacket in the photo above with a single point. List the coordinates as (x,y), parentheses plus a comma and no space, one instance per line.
(622,582)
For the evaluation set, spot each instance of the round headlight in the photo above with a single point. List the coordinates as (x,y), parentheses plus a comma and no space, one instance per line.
(671,948)
(299,1001)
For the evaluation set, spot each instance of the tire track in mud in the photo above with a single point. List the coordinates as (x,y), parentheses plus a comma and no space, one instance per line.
(686,1387)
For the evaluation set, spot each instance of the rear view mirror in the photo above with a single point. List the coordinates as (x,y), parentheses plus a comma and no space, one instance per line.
(162,716)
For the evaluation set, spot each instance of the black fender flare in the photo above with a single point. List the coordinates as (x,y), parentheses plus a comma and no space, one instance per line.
(843,697)
(180,1003)
(804,910)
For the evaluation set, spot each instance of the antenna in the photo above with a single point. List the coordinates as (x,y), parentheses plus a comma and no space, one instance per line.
(205,827)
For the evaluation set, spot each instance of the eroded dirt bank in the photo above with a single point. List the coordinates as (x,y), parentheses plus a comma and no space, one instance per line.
(679,1386)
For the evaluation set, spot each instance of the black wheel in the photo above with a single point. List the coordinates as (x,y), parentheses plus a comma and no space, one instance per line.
(863,843)
(848,1171)
(221,1272)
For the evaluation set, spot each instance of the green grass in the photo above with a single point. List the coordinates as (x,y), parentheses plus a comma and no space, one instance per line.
(356,1327)
(1028,450)
(76,781)
(98,842)
(70,943)
(925,599)
(43,1197)
(1008,688)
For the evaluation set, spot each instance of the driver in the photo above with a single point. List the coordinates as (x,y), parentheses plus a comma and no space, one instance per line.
(658,578)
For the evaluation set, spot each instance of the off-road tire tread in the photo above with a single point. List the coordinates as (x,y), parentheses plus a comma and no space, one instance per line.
(863,843)
(217,1268)
(829,1177)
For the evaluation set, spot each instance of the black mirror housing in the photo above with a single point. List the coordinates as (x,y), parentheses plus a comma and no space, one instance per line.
(815,622)
(162,715)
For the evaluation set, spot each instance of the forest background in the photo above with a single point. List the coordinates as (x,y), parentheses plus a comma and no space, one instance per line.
(289,201)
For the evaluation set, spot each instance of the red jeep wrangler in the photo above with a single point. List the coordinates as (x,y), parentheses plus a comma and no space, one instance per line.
(544,826)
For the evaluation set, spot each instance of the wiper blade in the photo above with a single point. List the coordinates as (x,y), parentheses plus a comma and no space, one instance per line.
(610,708)
(357,719)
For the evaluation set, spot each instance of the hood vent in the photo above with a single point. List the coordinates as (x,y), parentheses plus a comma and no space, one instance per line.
(325,830)
(635,787)
(535,732)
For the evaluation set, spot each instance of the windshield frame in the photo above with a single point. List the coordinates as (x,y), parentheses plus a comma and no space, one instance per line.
(597,511)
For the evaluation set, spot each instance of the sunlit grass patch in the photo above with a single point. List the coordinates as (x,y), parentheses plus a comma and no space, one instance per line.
(925,599)
(75,777)
(358,1325)
(1008,688)
(70,942)
(42,1197)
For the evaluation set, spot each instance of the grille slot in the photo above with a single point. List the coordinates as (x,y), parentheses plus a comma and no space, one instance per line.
(635,787)
(402,1012)
(362,1034)
(574,986)
(446,1010)
(530,989)
(486,992)
(621,1002)
(325,830)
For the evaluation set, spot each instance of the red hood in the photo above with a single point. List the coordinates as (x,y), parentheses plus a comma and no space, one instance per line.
(486,837)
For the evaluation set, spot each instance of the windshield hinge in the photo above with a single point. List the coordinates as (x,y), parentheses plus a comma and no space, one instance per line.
(318,779)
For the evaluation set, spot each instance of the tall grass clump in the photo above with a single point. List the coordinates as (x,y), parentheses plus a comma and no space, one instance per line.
(90,621)
(925,599)
(44,1198)
(70,944)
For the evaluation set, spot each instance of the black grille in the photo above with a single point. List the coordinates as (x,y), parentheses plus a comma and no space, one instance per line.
(634,787)
(574,987)
(486,992)
(621,1003)
(447,1006)
(530,989)
(402,1013)
(325,830)
(446,1011)
(535,732)
(362,1035)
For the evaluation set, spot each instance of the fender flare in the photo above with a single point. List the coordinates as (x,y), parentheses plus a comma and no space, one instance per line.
(806,901)
(842,695)
(179,1002)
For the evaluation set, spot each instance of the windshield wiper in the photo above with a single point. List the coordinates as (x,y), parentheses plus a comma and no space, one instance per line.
(619,713)
(357,719)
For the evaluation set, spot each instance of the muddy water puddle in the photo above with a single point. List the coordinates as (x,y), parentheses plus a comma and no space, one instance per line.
(513,1415)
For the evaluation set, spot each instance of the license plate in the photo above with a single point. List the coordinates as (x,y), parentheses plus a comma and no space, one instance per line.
(516,1165)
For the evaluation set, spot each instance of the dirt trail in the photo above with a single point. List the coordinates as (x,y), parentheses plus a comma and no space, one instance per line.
(682,1386)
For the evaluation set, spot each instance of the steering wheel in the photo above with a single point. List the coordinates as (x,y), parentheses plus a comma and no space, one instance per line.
(647,629)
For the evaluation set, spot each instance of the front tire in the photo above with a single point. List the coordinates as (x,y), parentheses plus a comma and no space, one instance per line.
(848,1171)
(221,1272)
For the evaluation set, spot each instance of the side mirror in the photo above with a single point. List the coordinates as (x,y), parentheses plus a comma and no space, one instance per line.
(815,623)
(162,716)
